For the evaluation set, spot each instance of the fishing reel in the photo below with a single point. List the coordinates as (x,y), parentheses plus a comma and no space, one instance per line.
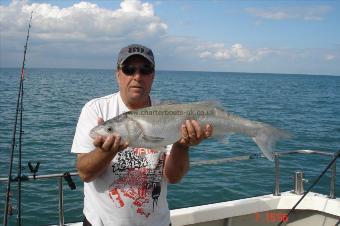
(68,178)
(34,169)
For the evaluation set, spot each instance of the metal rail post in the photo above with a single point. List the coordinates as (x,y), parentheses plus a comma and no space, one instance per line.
(61,201)
(332,193)
(277,174)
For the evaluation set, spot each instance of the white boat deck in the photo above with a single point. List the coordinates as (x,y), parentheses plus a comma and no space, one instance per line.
(261,210)
(314,209)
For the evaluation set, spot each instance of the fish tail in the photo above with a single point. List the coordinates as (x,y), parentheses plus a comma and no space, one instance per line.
(266,139)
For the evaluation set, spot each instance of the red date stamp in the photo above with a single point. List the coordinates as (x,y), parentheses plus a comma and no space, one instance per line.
(271,217)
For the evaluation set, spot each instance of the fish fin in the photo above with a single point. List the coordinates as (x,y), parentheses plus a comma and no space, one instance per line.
(211,103)
(152,138)
(208,103)
(266,140)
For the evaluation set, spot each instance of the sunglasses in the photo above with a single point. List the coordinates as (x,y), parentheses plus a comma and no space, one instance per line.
(144,70)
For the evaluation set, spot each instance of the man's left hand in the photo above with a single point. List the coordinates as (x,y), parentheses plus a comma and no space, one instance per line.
(192,133)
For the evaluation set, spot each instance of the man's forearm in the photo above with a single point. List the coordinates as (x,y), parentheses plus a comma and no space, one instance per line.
(177,163)
(92,164)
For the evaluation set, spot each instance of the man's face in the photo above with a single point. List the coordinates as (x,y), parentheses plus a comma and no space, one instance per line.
(135,88)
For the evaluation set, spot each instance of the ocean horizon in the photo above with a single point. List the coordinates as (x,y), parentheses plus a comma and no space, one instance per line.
(165,70)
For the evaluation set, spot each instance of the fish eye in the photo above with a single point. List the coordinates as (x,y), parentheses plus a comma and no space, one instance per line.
(109,129)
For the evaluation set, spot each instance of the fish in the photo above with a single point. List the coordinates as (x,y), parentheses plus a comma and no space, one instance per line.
(157,126)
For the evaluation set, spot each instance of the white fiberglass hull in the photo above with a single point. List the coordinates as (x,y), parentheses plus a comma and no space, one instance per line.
(314,210)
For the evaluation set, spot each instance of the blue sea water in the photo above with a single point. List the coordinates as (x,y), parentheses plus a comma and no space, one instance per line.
(308,106)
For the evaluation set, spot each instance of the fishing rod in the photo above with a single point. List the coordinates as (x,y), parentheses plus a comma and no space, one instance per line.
(19,109)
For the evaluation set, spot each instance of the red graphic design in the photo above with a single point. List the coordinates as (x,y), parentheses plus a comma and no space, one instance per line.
(139,183)
(133,186)
(144,151)
(115,196)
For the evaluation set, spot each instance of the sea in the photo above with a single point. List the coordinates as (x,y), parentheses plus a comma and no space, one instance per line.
(307,106)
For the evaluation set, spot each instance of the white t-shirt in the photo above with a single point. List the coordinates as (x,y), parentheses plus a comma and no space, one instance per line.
(132,190)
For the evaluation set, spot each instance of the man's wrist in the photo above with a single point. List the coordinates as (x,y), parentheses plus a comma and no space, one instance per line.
(105,152)
(181,146)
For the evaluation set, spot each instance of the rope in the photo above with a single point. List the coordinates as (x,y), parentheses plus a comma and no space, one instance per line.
(224,160)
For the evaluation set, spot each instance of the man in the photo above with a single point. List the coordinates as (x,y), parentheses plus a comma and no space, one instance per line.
(127,186)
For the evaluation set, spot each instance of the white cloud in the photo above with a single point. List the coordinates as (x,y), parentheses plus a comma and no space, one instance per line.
(205,54)
(274,14)
(238,52)
(82,21)
(329,57)
(81,29)
(285,13)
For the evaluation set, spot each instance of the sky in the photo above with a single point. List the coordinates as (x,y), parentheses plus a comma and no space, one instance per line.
(294,37)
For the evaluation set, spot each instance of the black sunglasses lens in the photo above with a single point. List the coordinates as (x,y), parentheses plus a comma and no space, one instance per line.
(129,69)
(146,70)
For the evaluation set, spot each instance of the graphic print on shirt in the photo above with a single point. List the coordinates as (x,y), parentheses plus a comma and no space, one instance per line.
(137,179)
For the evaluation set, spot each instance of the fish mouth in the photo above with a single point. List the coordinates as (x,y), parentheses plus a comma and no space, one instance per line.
(93,134)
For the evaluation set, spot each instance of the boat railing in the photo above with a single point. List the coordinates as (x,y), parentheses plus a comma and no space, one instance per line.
(277,155)
(67,175)
(60,177)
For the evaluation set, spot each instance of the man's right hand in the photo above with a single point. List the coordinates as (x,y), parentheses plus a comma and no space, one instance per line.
(111,143)
(93,164)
